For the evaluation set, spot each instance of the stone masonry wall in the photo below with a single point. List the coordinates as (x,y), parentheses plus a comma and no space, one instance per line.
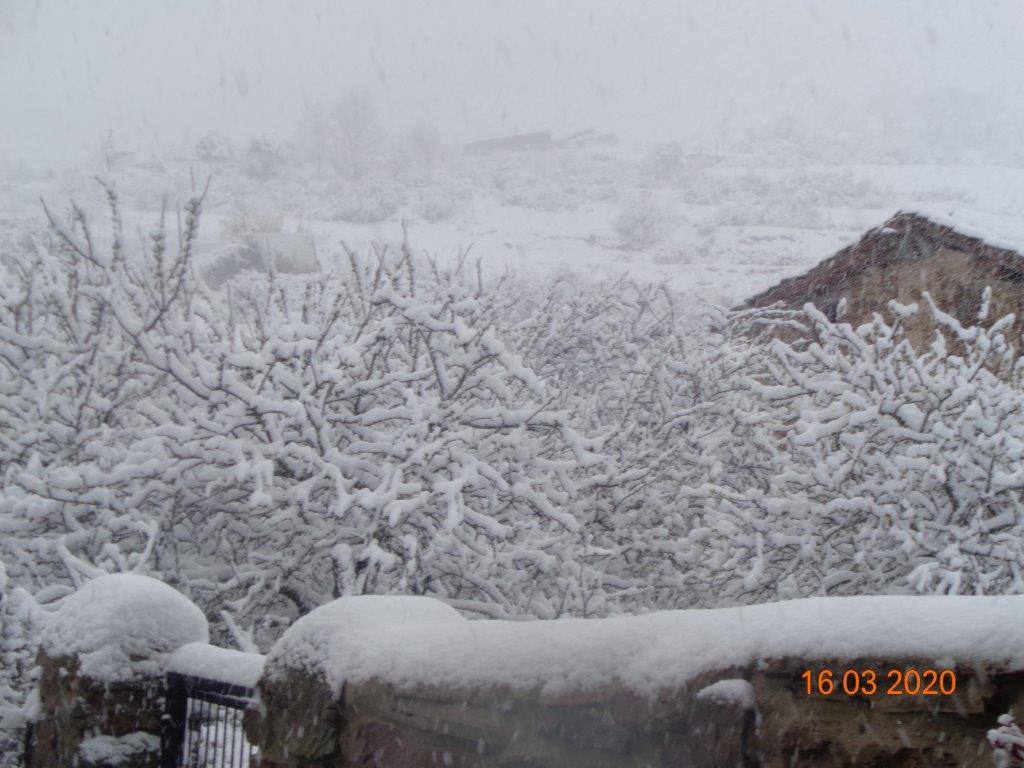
(78,712)
(300,725)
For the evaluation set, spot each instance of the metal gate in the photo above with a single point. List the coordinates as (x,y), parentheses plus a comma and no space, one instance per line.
(203,724)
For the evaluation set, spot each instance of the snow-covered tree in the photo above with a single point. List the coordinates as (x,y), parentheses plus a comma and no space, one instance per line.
(896,469)
(361,431)
(354,135)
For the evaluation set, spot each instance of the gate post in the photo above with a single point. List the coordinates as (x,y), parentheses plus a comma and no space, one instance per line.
(172,731)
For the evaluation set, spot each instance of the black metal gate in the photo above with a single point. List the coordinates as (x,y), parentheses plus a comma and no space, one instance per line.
(203,724)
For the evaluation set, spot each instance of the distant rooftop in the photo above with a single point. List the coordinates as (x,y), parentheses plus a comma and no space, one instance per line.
(995,230)
(912,233)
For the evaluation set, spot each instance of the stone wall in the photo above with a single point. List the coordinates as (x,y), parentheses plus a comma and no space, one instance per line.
(774,724)
(83,721)
(102,661)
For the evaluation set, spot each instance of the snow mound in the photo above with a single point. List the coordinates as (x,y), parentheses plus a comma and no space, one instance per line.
(115,750)
(221,664)
(356,633)
(733,691)
(412,642)
(121,626)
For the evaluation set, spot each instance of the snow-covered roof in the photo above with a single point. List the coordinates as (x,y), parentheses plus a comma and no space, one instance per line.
(411,642)
(991,238)
(221,664)
(995,230)
(121,626)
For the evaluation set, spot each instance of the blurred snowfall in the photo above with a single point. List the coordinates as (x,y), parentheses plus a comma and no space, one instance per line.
(753,139)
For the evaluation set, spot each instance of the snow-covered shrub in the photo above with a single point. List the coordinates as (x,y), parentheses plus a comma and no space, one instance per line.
(365,431)
(366,202)
(1007,740)
(438,205)
(354,136)
(215,147)
(895,469)
(664,162)
(246,220)
(644,221)
(663,382)
(19,629)
(231,260)
(345,137)
(264,157)
(423,144)
(246,232)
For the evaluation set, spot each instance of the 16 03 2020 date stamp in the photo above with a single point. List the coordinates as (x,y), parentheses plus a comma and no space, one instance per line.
(879,682)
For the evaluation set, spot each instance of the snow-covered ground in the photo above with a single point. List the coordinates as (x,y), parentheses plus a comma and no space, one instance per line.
(724,233)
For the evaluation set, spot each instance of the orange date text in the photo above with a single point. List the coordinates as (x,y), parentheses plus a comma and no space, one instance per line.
(875,682)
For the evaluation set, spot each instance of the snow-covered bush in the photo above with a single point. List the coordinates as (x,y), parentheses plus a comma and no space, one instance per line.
(423,144)
(893,469)
(1007,740)
(264,157)
(644,221)
(438,205)
(354,136)
(364,431)
(662,381)
(664,162)
(366,202)
(19,630)
(215,147)
(233,259)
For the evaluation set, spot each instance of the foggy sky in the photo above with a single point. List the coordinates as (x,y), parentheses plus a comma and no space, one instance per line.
(157,72)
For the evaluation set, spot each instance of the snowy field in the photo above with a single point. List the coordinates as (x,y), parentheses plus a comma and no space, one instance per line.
(723,233)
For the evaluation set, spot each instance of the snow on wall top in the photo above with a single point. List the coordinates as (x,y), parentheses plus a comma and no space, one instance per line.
(992,229)
(121,626)
(221,664)
(411,642)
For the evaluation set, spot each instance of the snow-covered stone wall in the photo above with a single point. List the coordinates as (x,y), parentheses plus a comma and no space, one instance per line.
(102,657)
(407,682)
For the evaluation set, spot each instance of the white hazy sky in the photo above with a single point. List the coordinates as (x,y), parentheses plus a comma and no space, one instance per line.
(152,71)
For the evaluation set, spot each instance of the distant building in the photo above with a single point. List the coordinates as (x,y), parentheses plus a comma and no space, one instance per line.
(951,255)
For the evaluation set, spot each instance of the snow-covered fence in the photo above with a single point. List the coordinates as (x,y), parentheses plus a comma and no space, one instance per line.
(208,689)
(406,681)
